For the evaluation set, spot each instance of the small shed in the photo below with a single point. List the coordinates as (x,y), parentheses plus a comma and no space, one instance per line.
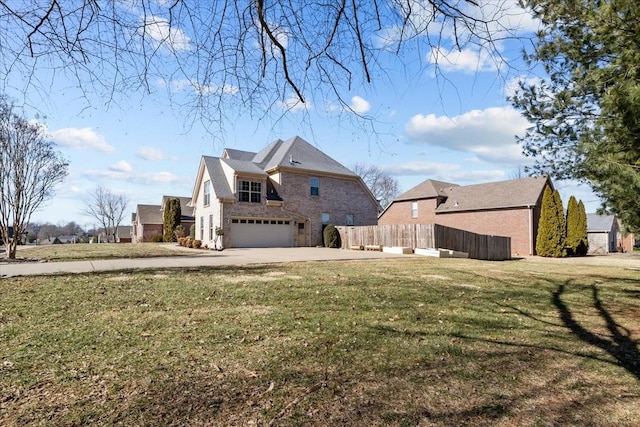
(603,233)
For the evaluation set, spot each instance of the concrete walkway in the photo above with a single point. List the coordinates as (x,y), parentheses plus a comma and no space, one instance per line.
(211,258)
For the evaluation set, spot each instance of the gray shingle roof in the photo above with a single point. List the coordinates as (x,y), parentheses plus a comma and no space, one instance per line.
(298,153)
(219,181)
(427,190)
(599,223)
(494,195)
(149,214)
(244,166)
(231,153)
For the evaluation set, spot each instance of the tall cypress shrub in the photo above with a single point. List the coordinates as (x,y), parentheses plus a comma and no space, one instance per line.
(171,219)
(551,235)
(574,234)
(583,245)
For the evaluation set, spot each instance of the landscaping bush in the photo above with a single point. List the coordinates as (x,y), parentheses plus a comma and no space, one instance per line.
(157,239)
(331,237)
(192,231)
(196,244)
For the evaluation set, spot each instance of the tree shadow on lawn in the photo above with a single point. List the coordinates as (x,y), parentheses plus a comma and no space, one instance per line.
(621,345)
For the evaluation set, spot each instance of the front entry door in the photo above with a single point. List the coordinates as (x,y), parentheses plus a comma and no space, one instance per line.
(302,235)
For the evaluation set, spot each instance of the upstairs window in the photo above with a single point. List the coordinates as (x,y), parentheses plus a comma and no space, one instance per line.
(326,218)
(207,193)
(414,209)
(350,219)
(314,184)
(249,191)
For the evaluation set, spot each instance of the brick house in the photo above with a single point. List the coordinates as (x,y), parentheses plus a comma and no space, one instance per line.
(505,208)
(282,196)
(148,220)
(147,223)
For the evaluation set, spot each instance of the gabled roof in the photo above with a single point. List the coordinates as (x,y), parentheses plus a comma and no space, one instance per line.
(124,230)
(428,189)
(230,153)
(149,214)
(524,192)
(185,204)
(600,223)
(243,166)
(298,154)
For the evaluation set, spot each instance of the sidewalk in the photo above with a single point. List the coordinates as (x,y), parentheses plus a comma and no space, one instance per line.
(212,258)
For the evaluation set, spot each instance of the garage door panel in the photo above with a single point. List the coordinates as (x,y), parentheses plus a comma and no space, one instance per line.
(261,235)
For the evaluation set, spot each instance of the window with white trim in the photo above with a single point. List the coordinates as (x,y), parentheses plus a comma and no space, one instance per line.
(210,227)
(249,191)
(207,193)
(414,209)
(201,228)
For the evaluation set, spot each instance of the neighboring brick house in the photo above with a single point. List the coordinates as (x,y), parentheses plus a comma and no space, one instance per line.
(282,196)
(124,234)
(147,223)
(506,208)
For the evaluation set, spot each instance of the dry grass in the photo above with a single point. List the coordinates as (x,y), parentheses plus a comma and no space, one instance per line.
(84,251)
(401,342)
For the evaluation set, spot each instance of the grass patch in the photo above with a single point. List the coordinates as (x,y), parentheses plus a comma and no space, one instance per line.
(394,342)
(84,251)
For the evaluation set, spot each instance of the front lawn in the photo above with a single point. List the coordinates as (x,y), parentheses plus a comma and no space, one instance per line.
(396,342)
(85,251)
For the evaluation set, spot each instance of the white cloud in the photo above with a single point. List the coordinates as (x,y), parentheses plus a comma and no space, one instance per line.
(488,134)
(150,153)
(293,104)
(444,171)
(465,60)
(512,85)
(137,178)
(181,85)
(359,105)
(160,31)
(121,166)
(84,138)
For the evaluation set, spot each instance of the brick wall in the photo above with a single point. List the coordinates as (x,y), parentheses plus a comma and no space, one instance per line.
(150,231)
(400,213)
(338,197)
(512,223)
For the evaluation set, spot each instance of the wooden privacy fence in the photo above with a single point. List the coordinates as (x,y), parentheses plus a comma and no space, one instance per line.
(478,246)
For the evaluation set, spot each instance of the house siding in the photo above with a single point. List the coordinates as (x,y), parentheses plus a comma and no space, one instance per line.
(513,223)
(338,197)
(400,213)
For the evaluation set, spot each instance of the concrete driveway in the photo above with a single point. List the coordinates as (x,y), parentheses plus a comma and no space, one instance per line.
(204,259)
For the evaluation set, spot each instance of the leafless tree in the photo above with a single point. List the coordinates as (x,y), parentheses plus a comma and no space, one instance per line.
(218,55)
(30,168)
(383,186)
(107,208)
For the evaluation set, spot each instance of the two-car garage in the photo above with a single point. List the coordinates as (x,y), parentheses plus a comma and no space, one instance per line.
(261,233)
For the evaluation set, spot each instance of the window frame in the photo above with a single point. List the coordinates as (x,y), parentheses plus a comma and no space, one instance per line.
(314,180)
(350,220)
(414,209)
(207,193)
(249,191)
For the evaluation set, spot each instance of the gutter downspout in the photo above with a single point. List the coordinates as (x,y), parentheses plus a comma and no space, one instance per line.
(531,246)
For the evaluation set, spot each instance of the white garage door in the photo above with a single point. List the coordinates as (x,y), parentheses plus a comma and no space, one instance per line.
(261,233)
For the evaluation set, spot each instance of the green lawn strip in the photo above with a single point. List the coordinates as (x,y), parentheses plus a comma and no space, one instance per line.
(85,251)
(378,343)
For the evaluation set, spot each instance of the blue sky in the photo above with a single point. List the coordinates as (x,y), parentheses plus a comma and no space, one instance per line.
(452,123)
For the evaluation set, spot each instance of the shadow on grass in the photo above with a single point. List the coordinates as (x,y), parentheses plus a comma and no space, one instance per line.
(621,345)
